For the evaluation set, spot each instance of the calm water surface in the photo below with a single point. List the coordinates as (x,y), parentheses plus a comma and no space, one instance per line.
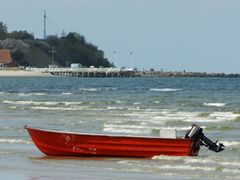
(137,106)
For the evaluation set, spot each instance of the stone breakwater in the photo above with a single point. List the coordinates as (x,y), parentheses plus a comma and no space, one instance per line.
(184,74)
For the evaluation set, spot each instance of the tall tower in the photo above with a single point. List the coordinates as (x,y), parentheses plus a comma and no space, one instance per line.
(44,25)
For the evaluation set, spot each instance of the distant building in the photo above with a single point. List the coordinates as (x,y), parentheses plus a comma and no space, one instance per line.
(52,66)
(76,65)
(5,58)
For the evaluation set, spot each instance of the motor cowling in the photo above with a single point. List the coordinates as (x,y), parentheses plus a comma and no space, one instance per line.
(197,133)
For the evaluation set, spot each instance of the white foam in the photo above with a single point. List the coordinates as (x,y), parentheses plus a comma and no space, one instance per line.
(119,102)
(60,108)
(211,161)
(160,116)
(137,103)
(167,158)
(215,104)
(187,167)
(130,129)
(115,108)
(30,102)
(231,163)
(124,126)
(164,89)
(13,107)
(231,143)
(163,116)
(191,161)
(66,93)
(127,131)
(47,103)
(32,94)
(72,103)
(134,108)
(110,89)
(234,171)
(213,117)
(88,89)
(224,116)
(123,162)
(133,129)
(198,160)
(15,141)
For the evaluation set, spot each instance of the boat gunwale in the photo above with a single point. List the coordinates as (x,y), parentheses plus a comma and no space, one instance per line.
(105,135)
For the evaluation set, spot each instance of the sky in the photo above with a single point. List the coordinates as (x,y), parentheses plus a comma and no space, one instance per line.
(168,35)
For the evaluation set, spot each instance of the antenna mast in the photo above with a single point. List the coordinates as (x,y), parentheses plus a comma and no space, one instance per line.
(44,25)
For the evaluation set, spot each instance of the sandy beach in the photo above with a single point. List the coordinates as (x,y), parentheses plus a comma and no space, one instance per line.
(22,73)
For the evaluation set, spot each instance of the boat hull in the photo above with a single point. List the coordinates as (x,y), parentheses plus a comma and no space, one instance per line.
(57,143)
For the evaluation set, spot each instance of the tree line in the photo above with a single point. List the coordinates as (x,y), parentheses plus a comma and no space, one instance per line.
(27,50)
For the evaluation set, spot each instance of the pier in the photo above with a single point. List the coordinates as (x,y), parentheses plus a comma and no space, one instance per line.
(126,72)
(91,72)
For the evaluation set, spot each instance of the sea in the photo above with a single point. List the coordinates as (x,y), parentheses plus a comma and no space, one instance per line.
(132,106)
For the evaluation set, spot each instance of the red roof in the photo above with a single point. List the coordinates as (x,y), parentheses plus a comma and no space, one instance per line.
(5,56)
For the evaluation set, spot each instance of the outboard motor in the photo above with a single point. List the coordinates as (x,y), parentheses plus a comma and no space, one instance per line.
(197,133)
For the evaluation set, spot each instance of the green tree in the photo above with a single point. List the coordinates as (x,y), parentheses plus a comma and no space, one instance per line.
(53,40)
(3,31)
(73,48)
(22,35)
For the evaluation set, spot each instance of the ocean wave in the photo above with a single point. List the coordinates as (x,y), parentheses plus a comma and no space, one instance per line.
(15,141)
(181,120)
(129,129)
(89,89)
(29,102)
(120,102)
(143,129)
(71,103)
(115,108)
(212,117)
(214,104)
(110,89)
(137,103)
(231,163)
(37,103)
(126,131)
(163,116)
(187,167)
(164,89)
(31,94)
(231,171)
(60,108)
(66,93)
(134,108)
(199,161)
(224,116)
(3,93)
(226,165)
(167,158)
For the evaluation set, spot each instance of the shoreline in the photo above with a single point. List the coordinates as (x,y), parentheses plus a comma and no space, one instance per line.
(30,73)
(23,73)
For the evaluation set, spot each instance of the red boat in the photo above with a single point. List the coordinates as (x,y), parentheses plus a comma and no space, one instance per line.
(58,143)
